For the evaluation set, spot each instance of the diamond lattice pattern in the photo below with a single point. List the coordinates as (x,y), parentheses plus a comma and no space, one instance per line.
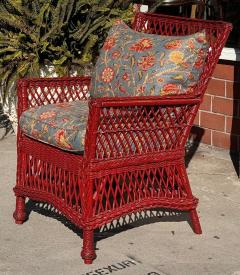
(40,93)
(135,130)
(116,190)
(61,184)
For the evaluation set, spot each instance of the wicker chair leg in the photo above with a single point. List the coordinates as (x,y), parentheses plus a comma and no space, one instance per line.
(195,222)
(20,214)
(88,252)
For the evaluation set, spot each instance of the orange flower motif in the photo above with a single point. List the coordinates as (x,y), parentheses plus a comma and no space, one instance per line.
(199,63)
(176,57)
(174,44)
(125,77)
(107,74)
(116,54)
(146,62)
(191,44)
(141,89)
(64,119)
(142,45)
(122,89)
(171,89)
(190,76)
(61,139)
(201,38)
(64,105)
(109,43)
(35,134)
(47,115)
(201,52)
(190,90)
(200,59)
(185,65)
(52,123)
(160,80)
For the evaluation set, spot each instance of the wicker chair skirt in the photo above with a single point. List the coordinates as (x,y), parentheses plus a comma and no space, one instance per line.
(54,176)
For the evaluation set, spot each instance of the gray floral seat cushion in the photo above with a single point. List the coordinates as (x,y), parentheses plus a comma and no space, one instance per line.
(62,125)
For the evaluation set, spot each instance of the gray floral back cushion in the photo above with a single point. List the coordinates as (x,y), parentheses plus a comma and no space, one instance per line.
(132,63)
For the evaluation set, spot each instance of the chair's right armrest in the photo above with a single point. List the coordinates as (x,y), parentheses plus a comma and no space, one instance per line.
(126,127)
(33,92)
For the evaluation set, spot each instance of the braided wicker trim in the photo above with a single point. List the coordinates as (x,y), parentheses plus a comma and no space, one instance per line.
(108,216)
(70,213)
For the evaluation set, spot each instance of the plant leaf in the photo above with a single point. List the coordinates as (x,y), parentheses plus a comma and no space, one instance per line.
(60,61)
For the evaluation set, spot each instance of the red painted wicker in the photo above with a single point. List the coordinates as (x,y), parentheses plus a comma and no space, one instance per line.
(134,148)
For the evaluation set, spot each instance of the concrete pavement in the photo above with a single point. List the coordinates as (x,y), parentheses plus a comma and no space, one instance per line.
(157,243)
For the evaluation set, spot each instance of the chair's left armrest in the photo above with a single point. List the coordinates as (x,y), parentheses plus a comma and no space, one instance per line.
(33,92)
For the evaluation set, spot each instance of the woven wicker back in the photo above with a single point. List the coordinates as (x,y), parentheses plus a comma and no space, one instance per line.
(153,125)
(217,33)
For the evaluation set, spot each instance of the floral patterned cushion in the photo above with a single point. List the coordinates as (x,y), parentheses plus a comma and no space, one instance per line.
(62,125)
(132,63)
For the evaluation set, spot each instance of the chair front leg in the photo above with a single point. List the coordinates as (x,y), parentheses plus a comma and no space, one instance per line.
(19,214)
(88,252)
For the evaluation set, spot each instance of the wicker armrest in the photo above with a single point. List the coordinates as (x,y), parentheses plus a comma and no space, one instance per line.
(140,126)
(33,92)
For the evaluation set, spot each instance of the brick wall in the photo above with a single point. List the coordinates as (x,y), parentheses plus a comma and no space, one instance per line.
(218,120)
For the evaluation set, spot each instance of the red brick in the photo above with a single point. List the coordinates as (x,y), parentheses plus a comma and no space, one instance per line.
(196,120)
(224,140)
(216,87)
(206,104)
(206,138)
(225,106)
(224,71)
(233,125)
(212,121)
(233,90)
(199,134)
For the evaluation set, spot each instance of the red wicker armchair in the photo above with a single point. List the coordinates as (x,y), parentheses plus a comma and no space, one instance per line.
(110,179)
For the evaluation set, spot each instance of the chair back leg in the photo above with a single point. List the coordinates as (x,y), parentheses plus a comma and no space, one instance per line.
(19,214)
(195,222)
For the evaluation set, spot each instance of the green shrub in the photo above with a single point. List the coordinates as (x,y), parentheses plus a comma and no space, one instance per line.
(58,32)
